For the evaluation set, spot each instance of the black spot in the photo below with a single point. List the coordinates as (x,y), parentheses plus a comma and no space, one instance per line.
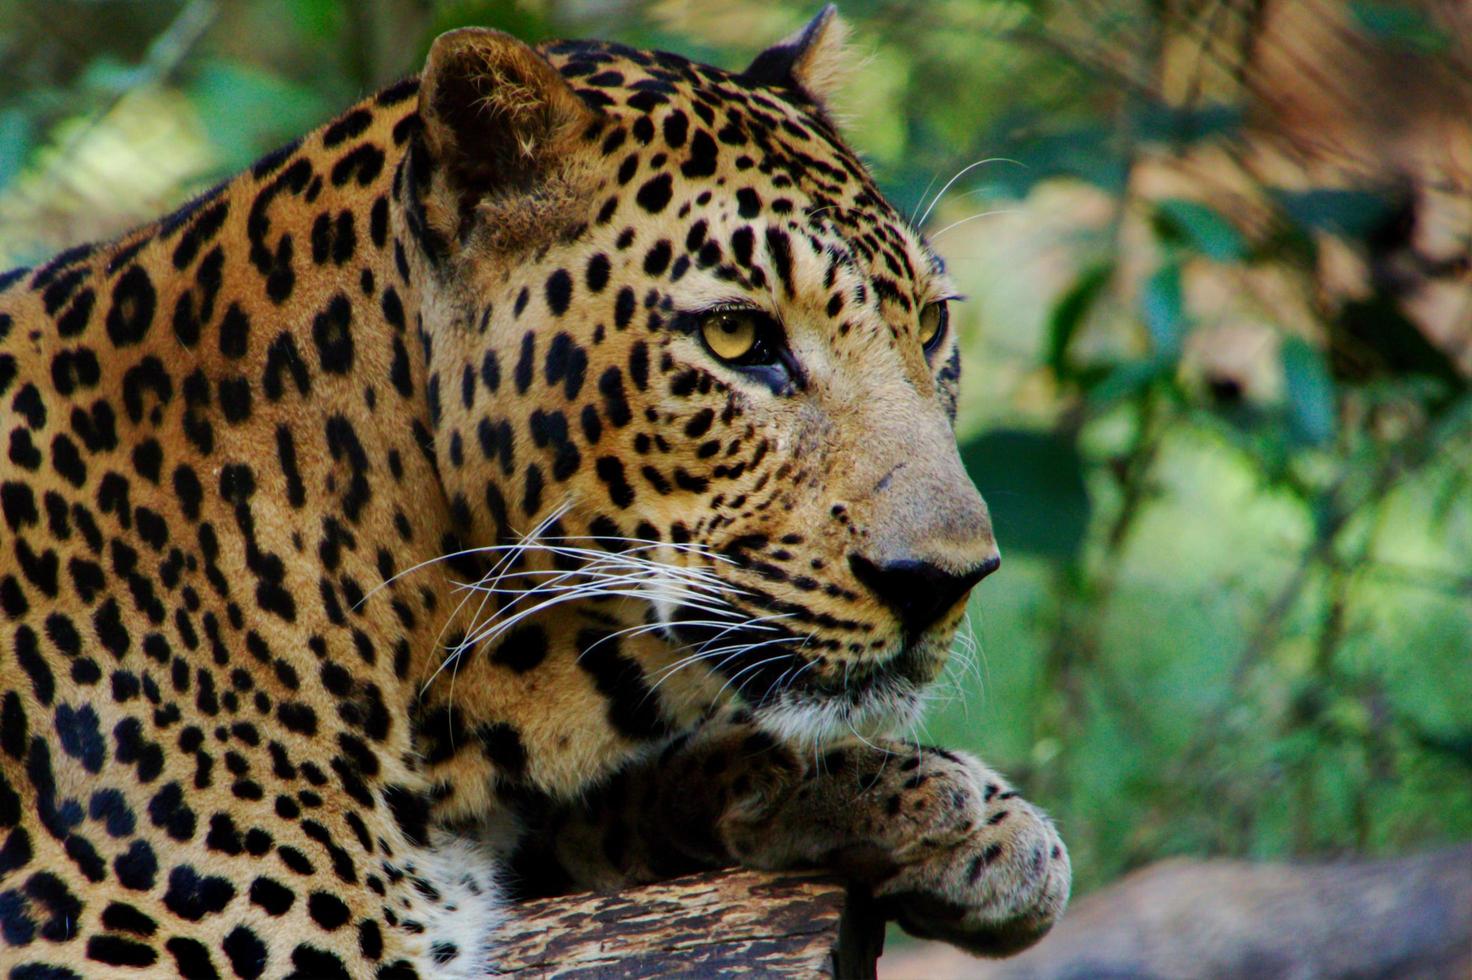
(780,250)
(80,736)
(27,652)
(19,505)
(327,910)
(191,958)
(283,359)
(137,867)
(147,375)
(676,125)
(272,896)
(318,964)
(188,490)
(748,203)
(611,471)
(349,126)
(234,332)
(702,159)
(596,275)
(566,362)
(235,399)
(120,951)
(378,222)
(67,461)
(120,917)
(77,315)
(297,717)
(296,493)
(523,649)
(632,709)
(370,940)
(76,369)
(363,162)
(246,952)
(655,193)
(639,365)
(623,308)
(657,259)
(132,308)
(525,363)
(531,501)
(398,371)
(332,333)
(559,292)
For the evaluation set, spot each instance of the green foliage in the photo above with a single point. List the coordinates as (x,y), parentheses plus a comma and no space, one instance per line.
(1193,225)
(1034,485)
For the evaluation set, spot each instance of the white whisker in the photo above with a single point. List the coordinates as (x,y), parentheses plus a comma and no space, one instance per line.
(959,174)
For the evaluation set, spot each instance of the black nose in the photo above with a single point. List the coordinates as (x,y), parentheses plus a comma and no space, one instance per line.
(919,592)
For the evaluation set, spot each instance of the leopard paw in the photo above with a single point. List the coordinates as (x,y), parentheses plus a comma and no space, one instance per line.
(982,868)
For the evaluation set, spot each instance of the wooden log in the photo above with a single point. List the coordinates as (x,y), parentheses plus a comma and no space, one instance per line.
(718,924)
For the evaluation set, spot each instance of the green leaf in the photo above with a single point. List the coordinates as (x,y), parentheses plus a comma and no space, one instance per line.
(1200,228)
(1128,379)
(1033,483)
(1069,313)
(1089,152)
(16,137)
(249,111)
(1353,214)
(1312,413)
(1162,307)
(1160,122)
(1399,24)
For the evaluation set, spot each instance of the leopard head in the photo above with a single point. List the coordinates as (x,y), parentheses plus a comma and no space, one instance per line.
(692,375)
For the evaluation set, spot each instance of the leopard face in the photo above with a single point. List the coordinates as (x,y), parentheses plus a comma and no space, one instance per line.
(732,360)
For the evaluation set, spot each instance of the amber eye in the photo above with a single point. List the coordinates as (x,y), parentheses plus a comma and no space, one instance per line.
(933,321)
(743,337)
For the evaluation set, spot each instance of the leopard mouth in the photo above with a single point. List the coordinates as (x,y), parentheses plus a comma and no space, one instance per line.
(767,669)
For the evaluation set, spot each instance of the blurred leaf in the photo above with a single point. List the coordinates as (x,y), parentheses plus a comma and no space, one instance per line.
(1033,483)
(248,111)
(1311,408)
(1162,307)
(1399,24)
(1070,312)
(1351,213)
(1089,152)
(107,76)
(1201,228)
(318,20)
(1161,122)
(1128,379)
(16,138)
(522,20)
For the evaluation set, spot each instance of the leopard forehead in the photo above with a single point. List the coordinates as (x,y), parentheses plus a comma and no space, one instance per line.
(708,170)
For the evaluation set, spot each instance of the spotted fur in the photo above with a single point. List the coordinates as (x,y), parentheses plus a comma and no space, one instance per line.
(378,520)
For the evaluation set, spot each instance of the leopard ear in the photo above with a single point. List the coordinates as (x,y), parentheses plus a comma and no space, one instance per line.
(814,60)
(497,116)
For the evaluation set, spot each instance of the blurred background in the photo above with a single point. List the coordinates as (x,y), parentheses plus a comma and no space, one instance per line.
(1218,344)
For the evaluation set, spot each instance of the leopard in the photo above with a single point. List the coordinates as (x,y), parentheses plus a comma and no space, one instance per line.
(542,477)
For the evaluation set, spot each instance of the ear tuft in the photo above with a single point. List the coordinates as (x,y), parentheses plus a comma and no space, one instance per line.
(496,114)
(815,60)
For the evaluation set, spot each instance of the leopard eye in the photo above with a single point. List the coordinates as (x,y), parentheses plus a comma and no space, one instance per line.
(933,320)
(741,337)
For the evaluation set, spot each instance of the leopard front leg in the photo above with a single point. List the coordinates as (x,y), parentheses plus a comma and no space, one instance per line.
(947,847)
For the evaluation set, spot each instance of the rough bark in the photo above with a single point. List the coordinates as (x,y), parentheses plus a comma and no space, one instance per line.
(728,923)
